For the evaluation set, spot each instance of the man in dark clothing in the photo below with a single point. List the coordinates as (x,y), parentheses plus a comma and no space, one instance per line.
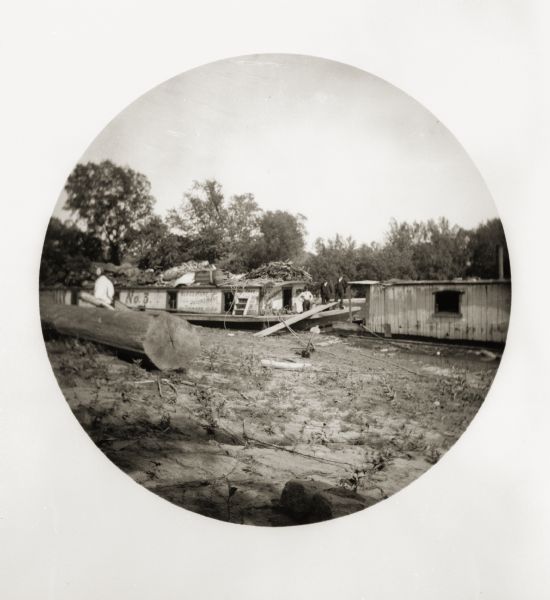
(341,287)
(326,292)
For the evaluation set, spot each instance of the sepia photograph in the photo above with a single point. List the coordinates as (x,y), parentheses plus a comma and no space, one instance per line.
(274,290)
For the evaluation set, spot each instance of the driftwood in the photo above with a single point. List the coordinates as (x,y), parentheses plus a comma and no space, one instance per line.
(168,341)
(289,366)
(294,319)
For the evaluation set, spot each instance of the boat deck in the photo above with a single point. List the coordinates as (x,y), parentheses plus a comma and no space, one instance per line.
(258,320)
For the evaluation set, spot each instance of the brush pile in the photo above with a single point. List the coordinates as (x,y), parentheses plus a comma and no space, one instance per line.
(280,271)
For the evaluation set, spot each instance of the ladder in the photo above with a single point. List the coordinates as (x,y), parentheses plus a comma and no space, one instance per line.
(241,306)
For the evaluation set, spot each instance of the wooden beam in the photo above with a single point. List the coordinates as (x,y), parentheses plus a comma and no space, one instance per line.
(295,319)
(169,342)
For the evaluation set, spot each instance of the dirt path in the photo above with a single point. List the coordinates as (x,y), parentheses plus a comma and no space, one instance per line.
(365,416)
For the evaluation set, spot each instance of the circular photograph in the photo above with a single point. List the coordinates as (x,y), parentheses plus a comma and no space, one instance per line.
(274,290)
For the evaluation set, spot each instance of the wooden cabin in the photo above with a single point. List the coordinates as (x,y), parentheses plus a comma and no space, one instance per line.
(467,310)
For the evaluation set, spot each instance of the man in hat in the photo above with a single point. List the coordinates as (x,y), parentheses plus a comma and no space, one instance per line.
(341,287)
(326,291)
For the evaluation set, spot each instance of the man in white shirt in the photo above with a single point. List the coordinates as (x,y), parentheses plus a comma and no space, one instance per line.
(307,298)
(103,288)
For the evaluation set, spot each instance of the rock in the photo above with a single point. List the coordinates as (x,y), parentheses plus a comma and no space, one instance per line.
(309,501)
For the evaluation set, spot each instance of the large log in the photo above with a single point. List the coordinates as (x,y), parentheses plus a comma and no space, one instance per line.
(169,342)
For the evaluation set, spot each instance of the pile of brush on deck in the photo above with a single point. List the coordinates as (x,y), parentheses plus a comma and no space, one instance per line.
(280,271)
(128,274)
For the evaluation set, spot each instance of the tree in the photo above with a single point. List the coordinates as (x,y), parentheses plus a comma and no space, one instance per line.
(332,258)
(483,250)
(220,232)
(172,249)
(112,202)
(67,254)
(203,219)
(243,221)
(440,251)
(147,238)
(282,237)
(155,247)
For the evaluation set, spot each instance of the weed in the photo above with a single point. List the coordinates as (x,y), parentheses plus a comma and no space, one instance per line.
(319,436)
(406,440)
(432,454)
(269,429)
(207,410)
(164,423)
(252,367)
(212,356)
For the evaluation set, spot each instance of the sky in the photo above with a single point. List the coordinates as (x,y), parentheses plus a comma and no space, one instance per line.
(306,135)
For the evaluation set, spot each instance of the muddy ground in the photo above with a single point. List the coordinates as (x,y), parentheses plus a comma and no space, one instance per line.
(223,438)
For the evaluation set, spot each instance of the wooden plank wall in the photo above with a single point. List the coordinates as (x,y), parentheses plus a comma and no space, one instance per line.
(409,310)
(56,296)
(151,298)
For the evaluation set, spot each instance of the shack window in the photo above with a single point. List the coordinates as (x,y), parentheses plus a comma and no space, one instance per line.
(172,300)
(447,302)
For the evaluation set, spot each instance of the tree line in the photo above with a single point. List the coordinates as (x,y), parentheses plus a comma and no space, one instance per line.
(113,220)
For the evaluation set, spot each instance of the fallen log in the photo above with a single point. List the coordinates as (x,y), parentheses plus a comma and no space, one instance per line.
(169,342)
(294,319)
(289,366)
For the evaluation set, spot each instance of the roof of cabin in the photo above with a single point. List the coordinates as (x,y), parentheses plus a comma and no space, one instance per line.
(431,282)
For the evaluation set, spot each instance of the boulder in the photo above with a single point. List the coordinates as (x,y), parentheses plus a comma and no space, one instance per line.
(309,501)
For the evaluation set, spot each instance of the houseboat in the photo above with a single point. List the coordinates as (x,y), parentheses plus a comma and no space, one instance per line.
(254,303)
(465,310)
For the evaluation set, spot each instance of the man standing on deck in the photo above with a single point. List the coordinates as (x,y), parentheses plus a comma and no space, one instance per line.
(341,286)
(326,291)
(104,289)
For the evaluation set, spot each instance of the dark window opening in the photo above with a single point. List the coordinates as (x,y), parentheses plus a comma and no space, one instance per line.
(447,302)
(74,297)
(172,300)
(287,298)
(228,301)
